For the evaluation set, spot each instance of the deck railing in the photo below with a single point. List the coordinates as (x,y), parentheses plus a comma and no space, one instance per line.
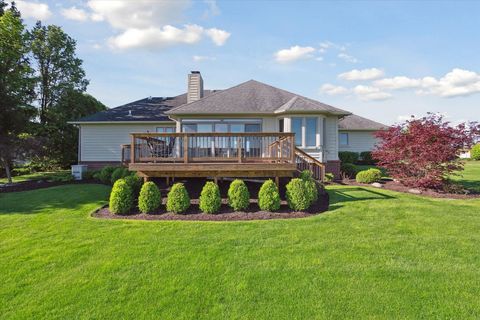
(210,147)
(306,162)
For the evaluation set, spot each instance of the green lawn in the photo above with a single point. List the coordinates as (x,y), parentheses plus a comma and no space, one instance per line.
(375,254)
(470,177)
(36,176)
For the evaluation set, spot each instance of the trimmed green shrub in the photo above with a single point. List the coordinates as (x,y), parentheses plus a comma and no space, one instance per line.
(475,152)
(269,197)
(150,198)
(121,198)
(135,183)
(119,173)
(178,200)
(210,200)
(369,176)
(297,197)
(105,175)
(238,195)
(310,185)
(89,174)
(348,156)
(329,177)
(366,157)
(349,169)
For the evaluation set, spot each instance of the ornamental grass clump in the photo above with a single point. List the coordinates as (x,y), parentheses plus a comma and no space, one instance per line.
(210,200)
(297,197)
(238,195)
(269,197)
(369,176)
(121,198)
(310,186)
(119,173)
(150,198)
(178,200)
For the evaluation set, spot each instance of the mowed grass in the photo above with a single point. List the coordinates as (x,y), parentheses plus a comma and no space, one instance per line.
(375,254)
(36,176)
(470,177)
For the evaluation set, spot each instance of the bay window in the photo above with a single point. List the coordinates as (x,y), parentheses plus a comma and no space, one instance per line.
(306,130)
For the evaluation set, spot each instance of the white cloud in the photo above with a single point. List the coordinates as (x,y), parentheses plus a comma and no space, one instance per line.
(397,83)
(458,82)
(74,13)
(157,37)
(346,57)
(213,9)
(367,93)
(293,53)
(142,14)
(365,74)
(149,24)
(35,10)
(203,58)
(97,46)
(332,90)
(219,37)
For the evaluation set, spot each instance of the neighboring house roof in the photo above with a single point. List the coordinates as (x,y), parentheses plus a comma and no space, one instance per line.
(253,97)
(354,122)
(147,109)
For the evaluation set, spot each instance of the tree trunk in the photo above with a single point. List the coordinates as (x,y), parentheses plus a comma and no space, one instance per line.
(8,171)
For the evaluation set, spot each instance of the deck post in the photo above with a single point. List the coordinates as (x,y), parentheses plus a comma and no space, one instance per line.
(145,179)
(185,149)
(277,181)
(215,179)
(168,180)
(239,150)
(132,149)
(292,148)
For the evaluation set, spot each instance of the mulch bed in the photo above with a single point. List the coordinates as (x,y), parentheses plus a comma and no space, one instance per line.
(37,184)
(194,187)
(397,186)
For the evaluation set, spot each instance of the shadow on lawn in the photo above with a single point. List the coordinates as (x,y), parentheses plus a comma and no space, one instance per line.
(339,196)
(51,199)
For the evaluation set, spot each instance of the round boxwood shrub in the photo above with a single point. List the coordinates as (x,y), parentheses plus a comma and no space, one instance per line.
(121,198)
(105,175)
(210,200)
(348,169)
(310,185)
(178,200)
(269,197)
(119,173)
(369,176)
(475,152)
(134,182)
(238,195)
(150,198)
(297,197)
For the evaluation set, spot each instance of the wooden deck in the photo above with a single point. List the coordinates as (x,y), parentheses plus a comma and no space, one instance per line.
(262,154)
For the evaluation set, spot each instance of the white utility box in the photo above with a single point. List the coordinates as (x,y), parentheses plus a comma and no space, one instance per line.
(78,171)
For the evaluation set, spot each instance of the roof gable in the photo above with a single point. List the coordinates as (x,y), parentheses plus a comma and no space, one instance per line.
(254,97)
(354,122)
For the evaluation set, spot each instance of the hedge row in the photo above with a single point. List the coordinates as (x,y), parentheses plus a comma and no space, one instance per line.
(301,194)
(364,157)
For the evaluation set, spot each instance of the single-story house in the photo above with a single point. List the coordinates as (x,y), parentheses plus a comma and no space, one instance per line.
(246,110)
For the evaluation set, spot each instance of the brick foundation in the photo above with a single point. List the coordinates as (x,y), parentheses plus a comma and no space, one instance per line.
(333,166)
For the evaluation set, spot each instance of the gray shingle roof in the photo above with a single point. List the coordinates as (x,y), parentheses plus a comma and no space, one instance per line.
(147,109)
(254,97)
(354,122)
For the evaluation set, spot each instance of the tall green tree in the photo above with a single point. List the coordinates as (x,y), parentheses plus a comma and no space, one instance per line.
(58,68)
(16,88)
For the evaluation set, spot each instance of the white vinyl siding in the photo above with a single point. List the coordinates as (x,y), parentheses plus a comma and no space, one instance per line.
(101,142)
(331,138)
(359,141)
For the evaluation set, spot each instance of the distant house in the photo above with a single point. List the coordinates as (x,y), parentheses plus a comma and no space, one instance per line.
(251,121)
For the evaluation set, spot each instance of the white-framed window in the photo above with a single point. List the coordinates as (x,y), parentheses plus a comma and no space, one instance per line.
(165,129)
(306,130)
(343,138)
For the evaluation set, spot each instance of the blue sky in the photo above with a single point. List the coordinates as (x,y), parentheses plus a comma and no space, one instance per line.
(382,60)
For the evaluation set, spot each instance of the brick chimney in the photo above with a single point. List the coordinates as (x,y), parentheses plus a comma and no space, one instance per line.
(195,86)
